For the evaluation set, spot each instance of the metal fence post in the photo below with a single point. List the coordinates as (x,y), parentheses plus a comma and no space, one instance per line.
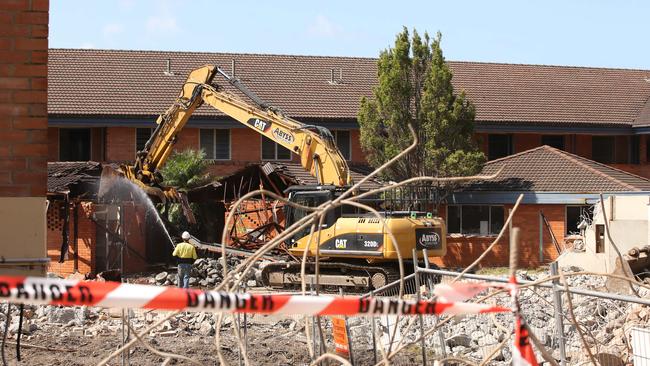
(425,253)
(374,335)
(443,350)
(421,317)
(557,305)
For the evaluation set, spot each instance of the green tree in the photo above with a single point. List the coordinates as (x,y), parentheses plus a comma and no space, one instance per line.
(184,170)
(415,88)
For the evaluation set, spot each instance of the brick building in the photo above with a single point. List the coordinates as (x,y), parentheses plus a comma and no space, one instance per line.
(103,104)
(23,151)
(88,235)
(559,190)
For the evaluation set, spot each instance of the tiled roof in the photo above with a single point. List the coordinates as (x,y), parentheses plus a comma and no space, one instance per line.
(73,177)
(133,83)
(296,171)
(547,169)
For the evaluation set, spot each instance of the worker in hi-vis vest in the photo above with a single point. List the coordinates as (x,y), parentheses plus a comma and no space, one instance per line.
(186,254)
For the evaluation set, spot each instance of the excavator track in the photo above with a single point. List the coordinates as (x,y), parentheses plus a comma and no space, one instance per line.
(335,274)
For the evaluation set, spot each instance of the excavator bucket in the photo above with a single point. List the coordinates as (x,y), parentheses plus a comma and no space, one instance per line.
(114,180)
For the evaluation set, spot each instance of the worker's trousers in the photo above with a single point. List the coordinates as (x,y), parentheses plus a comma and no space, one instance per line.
(184,275)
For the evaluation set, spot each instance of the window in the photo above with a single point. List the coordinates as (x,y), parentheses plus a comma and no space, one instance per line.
(602,149)
(499,146)
(141,137)
(74,144)
(474,219)
(556,141)
(342,138)
(273,151)
(215,143)
(635,150)
(575,215)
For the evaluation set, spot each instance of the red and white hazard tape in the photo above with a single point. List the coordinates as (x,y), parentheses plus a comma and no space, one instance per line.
(48,291)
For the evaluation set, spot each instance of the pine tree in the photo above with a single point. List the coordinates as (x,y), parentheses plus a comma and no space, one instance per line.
(415,88)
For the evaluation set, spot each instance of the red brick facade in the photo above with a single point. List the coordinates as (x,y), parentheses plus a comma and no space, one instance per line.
(23,97)
(118,145)
(85,245)
(463,250)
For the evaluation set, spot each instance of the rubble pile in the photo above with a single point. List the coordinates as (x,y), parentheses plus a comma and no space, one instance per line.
(206,273)
(607,323)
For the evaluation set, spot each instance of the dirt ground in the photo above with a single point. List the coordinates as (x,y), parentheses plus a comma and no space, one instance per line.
(267,345)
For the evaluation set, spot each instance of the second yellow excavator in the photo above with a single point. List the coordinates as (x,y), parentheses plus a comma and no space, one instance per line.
(356,250)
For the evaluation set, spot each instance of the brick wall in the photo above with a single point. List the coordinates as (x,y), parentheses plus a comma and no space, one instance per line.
(53,144)
(463,250)
(358,155)
(85,240)
(526,141)
(135,232)
(23,97)
(120,144)
(582,146)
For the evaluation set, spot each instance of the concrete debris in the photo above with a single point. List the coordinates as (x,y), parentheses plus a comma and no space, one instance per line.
(206,273)
(607,323)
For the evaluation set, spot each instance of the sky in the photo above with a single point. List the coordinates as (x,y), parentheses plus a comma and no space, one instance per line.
(554,32)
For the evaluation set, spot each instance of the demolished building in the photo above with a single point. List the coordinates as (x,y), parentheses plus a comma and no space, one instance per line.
(87,235)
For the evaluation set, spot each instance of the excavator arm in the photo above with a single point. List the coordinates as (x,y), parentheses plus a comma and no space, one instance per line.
(314,144)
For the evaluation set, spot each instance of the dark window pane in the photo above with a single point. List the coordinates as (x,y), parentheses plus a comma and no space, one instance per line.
(283,153)
(556,141)
(268,149)
(499,146)
(475,220)
(273,151)
(575,215)
(635,148)
(222,144)
(453,219)
(602,149)
(343,142)
(141,137)
(647,149)
(74,144)
(496,219)
(206,143)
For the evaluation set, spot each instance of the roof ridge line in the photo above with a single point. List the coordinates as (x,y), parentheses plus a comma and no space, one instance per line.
(578,159)
(349,57)
(209,53)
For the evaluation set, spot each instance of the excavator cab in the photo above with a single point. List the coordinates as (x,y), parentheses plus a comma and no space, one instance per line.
(310,196)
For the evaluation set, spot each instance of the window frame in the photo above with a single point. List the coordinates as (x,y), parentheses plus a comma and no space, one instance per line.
(136,136)
(563,137)
(90,141)
(460,225)
(214,143)
(511,143)
(566,217)
(612,158)
(275,152)
(336,132)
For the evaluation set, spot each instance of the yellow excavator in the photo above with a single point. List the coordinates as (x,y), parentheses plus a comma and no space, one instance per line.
(355,249)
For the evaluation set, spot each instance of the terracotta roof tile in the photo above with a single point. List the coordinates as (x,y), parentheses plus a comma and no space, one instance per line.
(547,169)
(133,83)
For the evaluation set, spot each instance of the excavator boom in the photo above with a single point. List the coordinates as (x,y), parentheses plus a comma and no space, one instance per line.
(314,144)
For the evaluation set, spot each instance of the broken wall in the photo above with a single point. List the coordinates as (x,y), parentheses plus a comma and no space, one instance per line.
(462,250)
(81,252)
